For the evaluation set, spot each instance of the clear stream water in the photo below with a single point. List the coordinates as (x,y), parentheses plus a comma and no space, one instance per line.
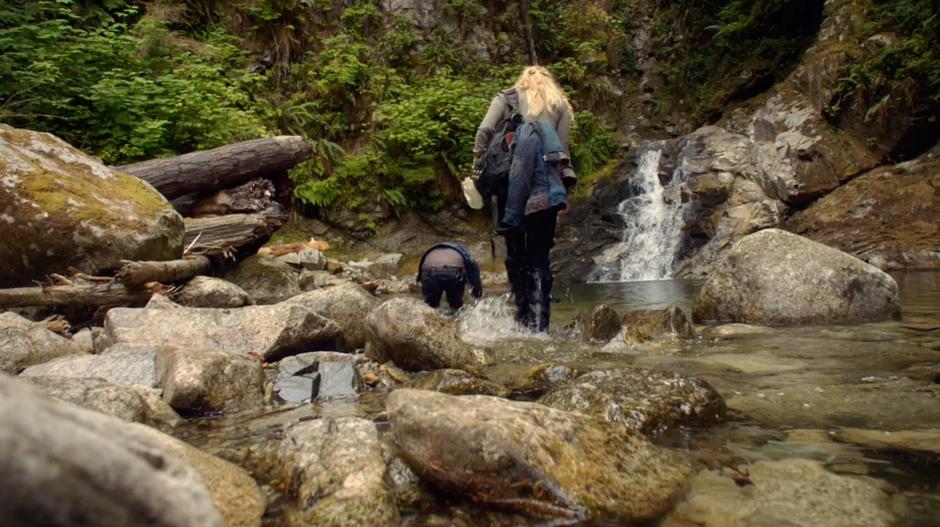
(777,382)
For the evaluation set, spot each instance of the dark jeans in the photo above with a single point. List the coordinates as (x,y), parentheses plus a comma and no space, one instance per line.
(443,280)
(527,266)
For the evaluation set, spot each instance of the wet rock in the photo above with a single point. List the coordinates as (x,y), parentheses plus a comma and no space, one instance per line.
(124,364)
(775,277)
(649,401)
(417,337)
(598,325)
(456,382)
(308,376)
(337,473)
(77,467)
(197,380)
(85,214)
(542,378)
(266,331)
(646,325)
(206,291)
(920,442)
(346,304)
(734,331)
(24,344)
(266,279)
(132,403)
(534,459)
(788,492)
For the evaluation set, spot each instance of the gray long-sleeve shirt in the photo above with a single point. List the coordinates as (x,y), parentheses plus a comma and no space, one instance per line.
(559,119)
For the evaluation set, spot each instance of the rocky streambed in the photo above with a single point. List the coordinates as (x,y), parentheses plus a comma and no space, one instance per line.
(338,407)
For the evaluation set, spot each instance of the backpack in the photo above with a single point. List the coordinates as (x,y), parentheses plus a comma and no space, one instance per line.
(494,172)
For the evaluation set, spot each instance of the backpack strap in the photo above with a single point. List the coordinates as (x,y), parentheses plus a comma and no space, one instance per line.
(511,97)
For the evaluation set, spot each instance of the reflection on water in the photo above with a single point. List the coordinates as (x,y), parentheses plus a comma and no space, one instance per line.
(782,385)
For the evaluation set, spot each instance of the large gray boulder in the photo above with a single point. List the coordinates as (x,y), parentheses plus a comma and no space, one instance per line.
(649,401)
(775,277)
(207,291)
(337,473)
(62,207)
(417,337)
(66,466)
(23,344)
(209,380)
(534,459)
(267,279)
(347,304)
(266,331)
(122,364)
(132,403)
(788,492)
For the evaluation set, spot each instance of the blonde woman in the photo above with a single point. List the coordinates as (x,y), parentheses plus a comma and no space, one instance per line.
(535,116)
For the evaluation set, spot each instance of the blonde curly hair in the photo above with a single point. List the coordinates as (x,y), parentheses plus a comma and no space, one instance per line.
(542,92)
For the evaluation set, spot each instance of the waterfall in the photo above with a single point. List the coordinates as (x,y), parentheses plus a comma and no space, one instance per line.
(652,220)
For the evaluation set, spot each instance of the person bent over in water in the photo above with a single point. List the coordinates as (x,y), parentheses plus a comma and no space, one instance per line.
(445,269)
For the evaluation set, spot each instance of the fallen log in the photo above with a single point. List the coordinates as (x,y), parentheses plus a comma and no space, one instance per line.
(76,295)
(288,248)
(220,234)
(254,196)
(222,167)
(137,273)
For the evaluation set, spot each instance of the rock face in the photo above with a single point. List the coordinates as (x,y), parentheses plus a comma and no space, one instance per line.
(62,207)
(416,337)
(347,304)
(268,331)
(77,467)
(789,492)
(534,459)
(266,279)
(206,291)
(888,217)
(775,277)
(23,344)
(132,403)
(121,365)
(209,380)
(337,473)
(646,325)
(649,401)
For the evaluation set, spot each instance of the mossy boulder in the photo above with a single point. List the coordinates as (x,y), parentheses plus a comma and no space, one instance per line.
(60,207)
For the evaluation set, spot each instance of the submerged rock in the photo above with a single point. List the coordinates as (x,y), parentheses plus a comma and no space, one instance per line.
(417,337)
(336,470)
(534,459)
(64,208)
(788,492)
(455,382)
(919,442)
(266,331)
(645,325)
(206,291)
(597,325)
(77,467)
(132,403)
(121,365)
(542,378)
(775,277)
(24,344)
(209,380)
(266,279)
(649,401)
(347,304)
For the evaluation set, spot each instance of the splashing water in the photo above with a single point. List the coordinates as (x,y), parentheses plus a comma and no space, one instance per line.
(652,229)
(490,321)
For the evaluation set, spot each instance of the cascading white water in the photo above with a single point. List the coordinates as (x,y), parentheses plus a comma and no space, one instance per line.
(652,229)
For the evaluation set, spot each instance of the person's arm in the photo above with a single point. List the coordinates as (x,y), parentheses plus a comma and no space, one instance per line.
(568,176)
(488,127)
(473,278)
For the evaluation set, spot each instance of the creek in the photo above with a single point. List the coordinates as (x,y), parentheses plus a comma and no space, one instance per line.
(788,389)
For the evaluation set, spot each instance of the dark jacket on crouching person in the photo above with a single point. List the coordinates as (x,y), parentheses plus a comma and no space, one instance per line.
(445,269)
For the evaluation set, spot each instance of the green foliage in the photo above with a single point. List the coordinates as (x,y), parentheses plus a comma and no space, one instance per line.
(124,92)
(592,143)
